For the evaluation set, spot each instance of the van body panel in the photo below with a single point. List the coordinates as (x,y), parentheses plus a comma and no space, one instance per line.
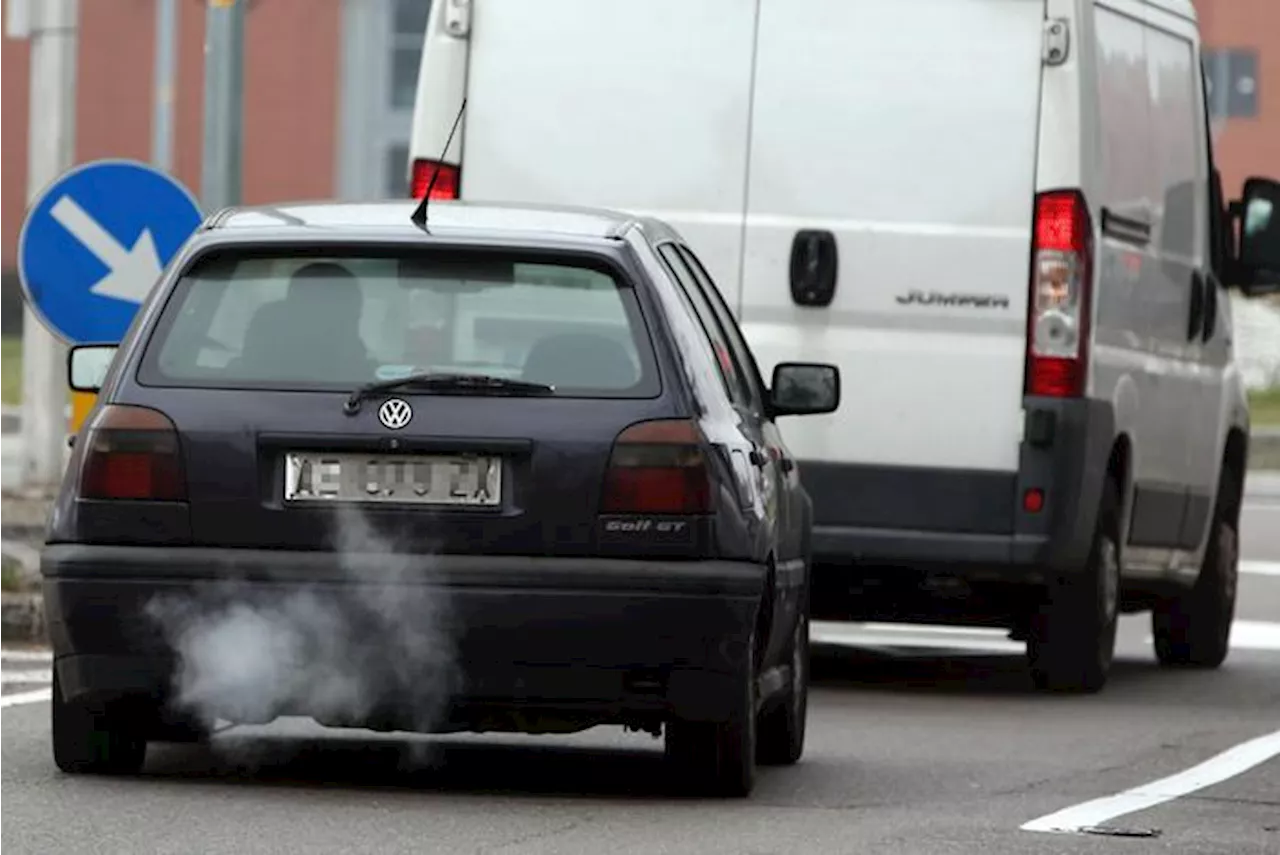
(442,83)
(937,199)
(643,109)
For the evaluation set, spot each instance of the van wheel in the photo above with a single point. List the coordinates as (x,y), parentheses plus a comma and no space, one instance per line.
(1073,635)
(1193,629)
(94,741)
(780,730)
(718,758)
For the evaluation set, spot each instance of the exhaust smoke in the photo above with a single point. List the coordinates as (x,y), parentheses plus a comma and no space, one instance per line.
(373,642)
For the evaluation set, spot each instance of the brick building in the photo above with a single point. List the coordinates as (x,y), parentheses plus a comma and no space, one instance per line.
(1242,61)
(330,85)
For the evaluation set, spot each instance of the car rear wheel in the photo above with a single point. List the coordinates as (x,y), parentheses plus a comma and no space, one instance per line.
(1193,629)
(92,740)
(1073,634)
(780,731)
(718,758)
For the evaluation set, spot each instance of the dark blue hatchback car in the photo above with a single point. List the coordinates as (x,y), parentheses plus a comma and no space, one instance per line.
(515,471)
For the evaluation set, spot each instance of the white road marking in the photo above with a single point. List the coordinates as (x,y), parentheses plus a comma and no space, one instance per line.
(25,697)
(26,655)
(908,635)
(1245,635)
(1215,770)
(43,675)
(1260,568)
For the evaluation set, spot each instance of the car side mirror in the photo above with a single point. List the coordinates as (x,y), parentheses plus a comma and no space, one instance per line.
(1258,262)
(804,389)
(87,366)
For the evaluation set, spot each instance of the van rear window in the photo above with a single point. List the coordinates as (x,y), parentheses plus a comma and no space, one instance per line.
(303,320)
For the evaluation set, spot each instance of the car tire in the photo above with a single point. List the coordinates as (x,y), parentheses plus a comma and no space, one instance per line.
(718,758)
(1193,629)
(780,729)
(1073,634)
(87,740)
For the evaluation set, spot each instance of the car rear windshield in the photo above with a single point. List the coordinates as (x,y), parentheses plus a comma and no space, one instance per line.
(303,320)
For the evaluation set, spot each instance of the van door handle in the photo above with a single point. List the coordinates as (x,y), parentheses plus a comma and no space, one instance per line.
(786,464)
(1210,306)
(813,268)
(1195,323)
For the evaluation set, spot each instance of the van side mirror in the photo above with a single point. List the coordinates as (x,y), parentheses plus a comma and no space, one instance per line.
(1258,261)
(87,366)
(804,389)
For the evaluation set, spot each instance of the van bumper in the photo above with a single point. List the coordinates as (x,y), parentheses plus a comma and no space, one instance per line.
(973,523)
(603,640)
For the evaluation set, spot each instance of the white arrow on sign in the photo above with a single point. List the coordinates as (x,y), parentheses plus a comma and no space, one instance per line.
(132,271)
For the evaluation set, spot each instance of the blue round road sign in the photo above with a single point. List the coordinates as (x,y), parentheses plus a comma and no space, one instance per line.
(94,243)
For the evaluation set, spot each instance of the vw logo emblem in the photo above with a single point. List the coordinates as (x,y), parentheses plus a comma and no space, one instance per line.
(395,413)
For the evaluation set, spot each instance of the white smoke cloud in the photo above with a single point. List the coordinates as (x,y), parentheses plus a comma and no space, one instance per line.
(376,642)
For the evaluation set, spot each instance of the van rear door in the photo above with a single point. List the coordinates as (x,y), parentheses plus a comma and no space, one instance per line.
(908,131)
(637,106)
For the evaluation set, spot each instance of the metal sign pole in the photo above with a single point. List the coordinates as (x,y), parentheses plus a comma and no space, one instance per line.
(50,152)
(223,104)
(162,118)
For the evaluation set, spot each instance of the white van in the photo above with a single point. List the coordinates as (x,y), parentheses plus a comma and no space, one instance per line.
(1000,218)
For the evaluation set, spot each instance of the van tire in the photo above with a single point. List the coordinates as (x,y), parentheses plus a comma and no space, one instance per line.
(718,758)
(781,727)
(1193,629)
(1073,633)
(87,740)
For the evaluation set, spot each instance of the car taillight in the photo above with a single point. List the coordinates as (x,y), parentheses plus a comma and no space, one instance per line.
(446,186)
(1061,277)
(658,467)
(132,453)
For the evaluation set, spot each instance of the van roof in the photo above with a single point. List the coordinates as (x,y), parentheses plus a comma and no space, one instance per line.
(392,217)
(1184,8)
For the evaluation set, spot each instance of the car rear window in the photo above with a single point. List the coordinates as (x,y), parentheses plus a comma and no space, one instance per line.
(304,320)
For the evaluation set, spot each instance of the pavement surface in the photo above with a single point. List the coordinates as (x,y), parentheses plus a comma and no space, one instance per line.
(921,740)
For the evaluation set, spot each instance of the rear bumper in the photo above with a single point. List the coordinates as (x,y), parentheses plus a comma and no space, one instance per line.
(972,523)
(604,638)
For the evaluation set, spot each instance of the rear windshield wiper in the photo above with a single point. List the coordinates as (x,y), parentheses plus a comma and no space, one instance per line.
(473,383)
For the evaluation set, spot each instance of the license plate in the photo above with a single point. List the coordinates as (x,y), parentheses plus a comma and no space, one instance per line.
(414,479)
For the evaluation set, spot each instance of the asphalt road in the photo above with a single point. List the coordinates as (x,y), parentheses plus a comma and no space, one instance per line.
(919,742)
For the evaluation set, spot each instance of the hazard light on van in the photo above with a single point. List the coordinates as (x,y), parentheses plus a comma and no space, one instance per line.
(446,179)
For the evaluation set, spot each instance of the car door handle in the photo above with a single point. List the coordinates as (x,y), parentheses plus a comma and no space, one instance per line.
(757,459)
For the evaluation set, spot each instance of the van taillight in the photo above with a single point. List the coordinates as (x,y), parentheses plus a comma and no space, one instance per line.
(1061,276)
(446,186)
(132,453)
(658,467)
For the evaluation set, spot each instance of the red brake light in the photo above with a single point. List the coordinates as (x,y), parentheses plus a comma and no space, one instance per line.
(1061,276)
(132,453)
(446,186)
(657,467)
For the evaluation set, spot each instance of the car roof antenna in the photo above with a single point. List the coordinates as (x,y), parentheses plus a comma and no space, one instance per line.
(419,215)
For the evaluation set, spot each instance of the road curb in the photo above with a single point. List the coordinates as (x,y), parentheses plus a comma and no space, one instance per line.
(23,618)
(22,613)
